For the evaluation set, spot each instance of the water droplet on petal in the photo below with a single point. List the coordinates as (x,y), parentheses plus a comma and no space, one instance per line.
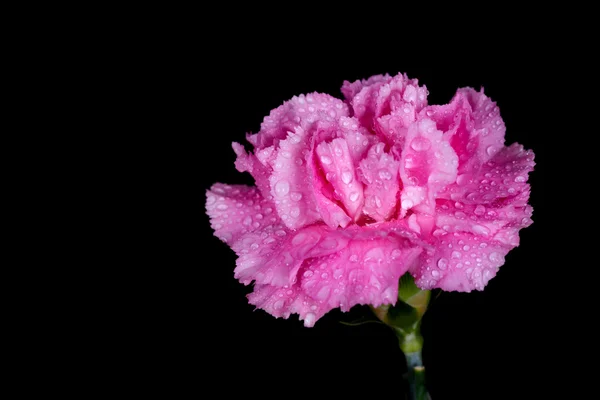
(407,203)
(309,319)
(479,210)
(346,177)
(490,150)
(282,188)
(442,263)
(353,196)
(278,304)
(420,143)
(295,212)
(520,178)
(222,207)
(435,273)
(455,254)
(296,196)
(385,174)
(247,221)
(326,160)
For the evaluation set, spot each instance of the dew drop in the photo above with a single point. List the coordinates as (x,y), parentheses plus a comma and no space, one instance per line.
(326,160)
(346,177)
(385,174)
(479,210)
(222,207)
(309,319)
(295,212)
(296,196)
(490,150)
(247,221)
(455,254)
(435,273)
(254,246)
(353,196)
(407,203)
(420,143)
(520,178)
(278,304)
(442,263)
(282,188)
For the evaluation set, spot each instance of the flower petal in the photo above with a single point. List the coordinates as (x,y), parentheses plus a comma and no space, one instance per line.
(499,182)
(472,124)
(427,165)
(301,111)
(379,173)
(235,210)
(336,161)
(359,266)
(460,262)
(250,163)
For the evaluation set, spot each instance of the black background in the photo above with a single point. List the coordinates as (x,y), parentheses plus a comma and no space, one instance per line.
(499,343)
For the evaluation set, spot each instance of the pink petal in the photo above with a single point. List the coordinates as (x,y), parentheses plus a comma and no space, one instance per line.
(336,162)
(385,105)
(235,210)
(350,90)
(301,111)
(250,163)
(427,165)
(460,262)
(354,266)
(290,181)
(472,124)
(499,182)
(358,138)
(379,173)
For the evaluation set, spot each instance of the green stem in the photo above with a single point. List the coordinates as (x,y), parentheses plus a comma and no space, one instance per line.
(411,343)
(416,377)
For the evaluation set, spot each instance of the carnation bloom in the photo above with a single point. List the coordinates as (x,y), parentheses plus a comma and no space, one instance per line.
(352,194)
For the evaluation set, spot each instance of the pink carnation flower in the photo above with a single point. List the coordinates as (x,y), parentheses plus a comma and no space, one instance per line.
(352,194)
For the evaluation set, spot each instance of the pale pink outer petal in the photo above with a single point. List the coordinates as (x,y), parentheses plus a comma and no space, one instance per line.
(233,213)
(252,164)
(472,124)
(460,262)
(300,111)
(500,181)
(336,162)
(363,267)
(379,173)
(248,223)
(428,163)
(479,225)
